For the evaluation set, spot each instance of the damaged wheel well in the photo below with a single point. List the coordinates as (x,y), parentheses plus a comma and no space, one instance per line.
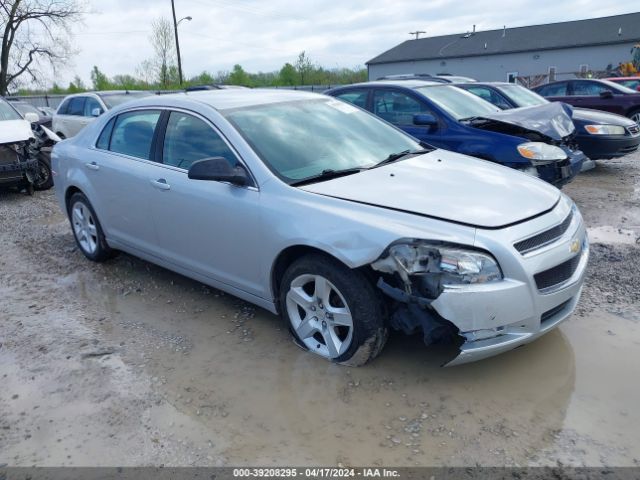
(285,259)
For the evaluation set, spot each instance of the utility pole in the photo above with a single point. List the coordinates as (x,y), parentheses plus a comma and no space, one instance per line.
(175,27)
(416,33)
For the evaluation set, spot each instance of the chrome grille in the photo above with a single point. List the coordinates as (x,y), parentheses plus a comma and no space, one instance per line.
(545,238)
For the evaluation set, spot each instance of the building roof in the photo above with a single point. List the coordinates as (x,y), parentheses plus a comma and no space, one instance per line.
(535,38)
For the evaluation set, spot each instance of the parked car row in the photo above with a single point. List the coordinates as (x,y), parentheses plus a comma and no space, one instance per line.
(600,135)
(347,226)
(537,141)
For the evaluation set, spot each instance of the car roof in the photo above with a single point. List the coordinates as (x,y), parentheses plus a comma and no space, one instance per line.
(225,98)
(397,83)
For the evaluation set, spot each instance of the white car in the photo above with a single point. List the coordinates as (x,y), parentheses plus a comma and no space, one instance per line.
(78,110)
(315,209)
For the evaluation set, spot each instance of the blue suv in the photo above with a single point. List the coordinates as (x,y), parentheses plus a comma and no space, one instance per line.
(538,140)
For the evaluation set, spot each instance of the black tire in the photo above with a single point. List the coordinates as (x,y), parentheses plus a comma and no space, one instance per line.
(368,311)
(102,250)
(44,178)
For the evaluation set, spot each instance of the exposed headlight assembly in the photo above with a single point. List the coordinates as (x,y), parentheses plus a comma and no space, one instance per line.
(605,129)
(456,265)
(541,153)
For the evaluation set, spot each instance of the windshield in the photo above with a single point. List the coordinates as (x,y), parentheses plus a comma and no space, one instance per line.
(113,99)
(616,87)
(26,108)
(7,112)
(458,103)
(521,96)
(302,139)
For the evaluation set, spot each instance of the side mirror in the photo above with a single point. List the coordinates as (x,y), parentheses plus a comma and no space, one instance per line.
(606,94)
(32,117)
(218,169)
(96,112)
(424,119)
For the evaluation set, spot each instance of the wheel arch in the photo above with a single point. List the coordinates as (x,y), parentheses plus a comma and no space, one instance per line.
(286,258)
(71,190)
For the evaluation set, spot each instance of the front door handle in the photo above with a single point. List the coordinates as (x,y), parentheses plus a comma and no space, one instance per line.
(92,166)
(160,184)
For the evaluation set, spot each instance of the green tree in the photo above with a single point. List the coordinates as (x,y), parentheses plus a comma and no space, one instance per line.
(304,67)
(239,76)
(77,85)
(100,80)
(287,75)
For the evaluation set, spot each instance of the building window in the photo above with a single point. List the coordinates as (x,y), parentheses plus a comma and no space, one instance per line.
(552,74)
(512,77)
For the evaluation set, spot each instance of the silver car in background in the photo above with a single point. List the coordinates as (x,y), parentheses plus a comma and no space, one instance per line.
(79,110)
(317,210)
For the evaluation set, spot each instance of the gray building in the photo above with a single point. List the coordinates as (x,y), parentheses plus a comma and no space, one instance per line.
(535,54)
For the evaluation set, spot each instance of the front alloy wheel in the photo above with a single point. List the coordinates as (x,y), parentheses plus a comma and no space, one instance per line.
(332,310)
(319,315)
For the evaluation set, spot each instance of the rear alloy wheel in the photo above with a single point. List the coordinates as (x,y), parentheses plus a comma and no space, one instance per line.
(333,311)
(635,116)
(87,230)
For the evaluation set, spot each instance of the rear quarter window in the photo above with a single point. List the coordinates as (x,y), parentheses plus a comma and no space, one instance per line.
(105,137)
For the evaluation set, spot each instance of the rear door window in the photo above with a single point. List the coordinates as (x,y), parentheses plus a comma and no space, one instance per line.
(397,107)
(356,97)
(588,89)
(133,133)
(554,90)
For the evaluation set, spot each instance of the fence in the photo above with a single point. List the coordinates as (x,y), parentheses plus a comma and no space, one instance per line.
(54,101)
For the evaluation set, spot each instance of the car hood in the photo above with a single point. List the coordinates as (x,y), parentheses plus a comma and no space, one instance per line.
(551,119)
(601,118)
(447,186)
(12,131)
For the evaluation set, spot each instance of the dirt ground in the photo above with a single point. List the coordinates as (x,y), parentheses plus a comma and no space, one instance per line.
(128,364)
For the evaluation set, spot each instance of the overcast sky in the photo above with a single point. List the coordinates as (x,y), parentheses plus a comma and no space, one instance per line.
(262,36)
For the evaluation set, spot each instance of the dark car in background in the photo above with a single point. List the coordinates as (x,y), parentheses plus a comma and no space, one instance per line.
(630,82)
(539,141)
(600,135)
(596,94)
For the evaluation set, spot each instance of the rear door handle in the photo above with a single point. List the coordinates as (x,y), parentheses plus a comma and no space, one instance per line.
(92,166)
(160,184)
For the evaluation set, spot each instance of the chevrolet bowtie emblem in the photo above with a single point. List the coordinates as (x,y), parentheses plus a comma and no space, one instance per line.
(575,246)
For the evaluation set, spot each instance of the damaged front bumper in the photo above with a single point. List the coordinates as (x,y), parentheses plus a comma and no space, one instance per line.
(540,289)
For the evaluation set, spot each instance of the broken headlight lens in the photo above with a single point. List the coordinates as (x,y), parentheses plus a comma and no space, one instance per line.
(605,129)
(540,153)
(456,265)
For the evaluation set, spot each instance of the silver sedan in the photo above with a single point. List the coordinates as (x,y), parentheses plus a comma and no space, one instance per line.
(314,209)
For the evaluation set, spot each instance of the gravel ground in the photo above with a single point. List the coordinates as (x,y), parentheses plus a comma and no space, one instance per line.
(125,363)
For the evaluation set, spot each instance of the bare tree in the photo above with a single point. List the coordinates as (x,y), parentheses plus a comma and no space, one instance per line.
(163,43)
(35,33)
